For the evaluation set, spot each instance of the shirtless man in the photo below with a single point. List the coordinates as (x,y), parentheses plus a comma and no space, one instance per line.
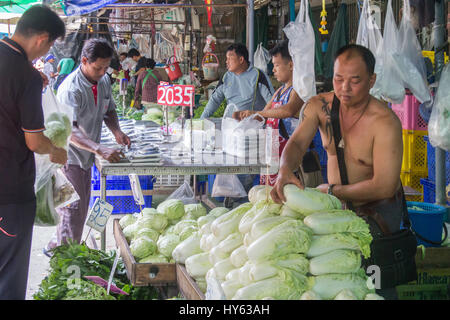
(371,139)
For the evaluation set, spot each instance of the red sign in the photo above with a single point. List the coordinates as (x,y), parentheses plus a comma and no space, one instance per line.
(176,95)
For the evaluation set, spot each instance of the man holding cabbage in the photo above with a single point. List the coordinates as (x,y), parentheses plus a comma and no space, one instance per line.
(364,159)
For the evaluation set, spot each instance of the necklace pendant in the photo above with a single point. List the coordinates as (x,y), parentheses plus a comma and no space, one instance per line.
(341,144)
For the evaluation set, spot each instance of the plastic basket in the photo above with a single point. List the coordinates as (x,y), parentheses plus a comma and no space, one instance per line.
(431,160)
(429,191)
(412,179)
(408,113)
(119,182)
(414,151)
(427,220)
(124,204)
(423,292)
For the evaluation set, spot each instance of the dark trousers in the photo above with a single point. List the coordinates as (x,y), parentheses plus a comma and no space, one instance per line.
(16,231)
(73,217)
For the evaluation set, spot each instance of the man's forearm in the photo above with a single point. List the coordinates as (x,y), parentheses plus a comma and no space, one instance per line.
(278,113)
(112,121)
(80,140)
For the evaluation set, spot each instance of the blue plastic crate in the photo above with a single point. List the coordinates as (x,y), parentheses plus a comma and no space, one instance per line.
(429,191)
(431,158)
(124,204)
(119,182)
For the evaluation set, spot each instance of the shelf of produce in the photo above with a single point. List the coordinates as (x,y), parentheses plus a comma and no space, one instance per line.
(188,288)
(143,274)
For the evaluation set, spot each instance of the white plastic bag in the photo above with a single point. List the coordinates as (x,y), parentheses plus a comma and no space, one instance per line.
(261,58)
(369,34)
(301,48)
(409,58)
(184,193)
(439,124)
(243,138)
(226,185)
(389,84)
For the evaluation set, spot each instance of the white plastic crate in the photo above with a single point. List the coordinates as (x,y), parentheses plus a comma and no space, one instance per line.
(164,181)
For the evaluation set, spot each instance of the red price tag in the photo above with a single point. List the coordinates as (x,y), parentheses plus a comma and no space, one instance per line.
(176,95)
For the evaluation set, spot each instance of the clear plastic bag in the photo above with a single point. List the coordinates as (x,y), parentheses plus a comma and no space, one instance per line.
(261,58)
(184,193)
(369,34)
(389,84)
(410,59)
(439,124)
(301,48)
(226,185)
(58,192)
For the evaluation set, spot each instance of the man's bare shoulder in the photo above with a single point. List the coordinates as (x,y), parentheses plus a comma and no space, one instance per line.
(383,115)
(322,99)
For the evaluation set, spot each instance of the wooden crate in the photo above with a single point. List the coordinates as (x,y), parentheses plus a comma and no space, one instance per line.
(143,274)
(187,286)
(433,276)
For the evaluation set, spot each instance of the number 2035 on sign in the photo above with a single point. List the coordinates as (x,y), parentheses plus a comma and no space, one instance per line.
(176,95)
(99,215)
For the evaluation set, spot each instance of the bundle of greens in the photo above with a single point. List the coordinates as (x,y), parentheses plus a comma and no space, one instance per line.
(71,262)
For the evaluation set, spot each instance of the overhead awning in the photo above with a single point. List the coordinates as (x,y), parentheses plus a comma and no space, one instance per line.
(16,7)
(80,7)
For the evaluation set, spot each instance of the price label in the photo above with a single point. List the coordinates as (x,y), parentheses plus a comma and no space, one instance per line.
(176,95)
(136,189)
(99,215)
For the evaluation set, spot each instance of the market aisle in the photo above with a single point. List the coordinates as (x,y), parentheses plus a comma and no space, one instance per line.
(39,263)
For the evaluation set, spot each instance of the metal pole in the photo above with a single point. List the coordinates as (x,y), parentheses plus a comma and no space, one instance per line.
(439,40)
(251,29)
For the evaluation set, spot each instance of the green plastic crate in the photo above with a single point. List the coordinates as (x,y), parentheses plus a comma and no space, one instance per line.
(423,292)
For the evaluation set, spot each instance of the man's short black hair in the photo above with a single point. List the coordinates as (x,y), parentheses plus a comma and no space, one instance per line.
(281,48)
(124,54)
(39,19)
(150,63)
(363,52)
(94,49)
(133,53)
(240,49)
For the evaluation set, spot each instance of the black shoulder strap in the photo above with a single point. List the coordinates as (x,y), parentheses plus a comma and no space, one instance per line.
(337,138)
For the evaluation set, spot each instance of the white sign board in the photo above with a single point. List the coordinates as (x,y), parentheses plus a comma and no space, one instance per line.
(99,215)
(136,189)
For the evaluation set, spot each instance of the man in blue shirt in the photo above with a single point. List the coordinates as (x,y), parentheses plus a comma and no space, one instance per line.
(243,86)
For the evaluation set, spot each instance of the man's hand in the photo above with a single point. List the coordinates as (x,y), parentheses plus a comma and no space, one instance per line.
(58,155)
(122,139)
(284,177)
(323,187)
(110,154)
(44,79)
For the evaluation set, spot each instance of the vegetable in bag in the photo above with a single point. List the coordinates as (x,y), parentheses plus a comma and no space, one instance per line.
(309,200)
(336,261)
(345,240)
(336,221)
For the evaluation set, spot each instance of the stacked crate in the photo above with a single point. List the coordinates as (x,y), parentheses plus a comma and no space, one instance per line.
(414,164)
(429,184)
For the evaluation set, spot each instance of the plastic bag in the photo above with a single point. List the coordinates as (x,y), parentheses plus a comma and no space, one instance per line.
(369,34)
(389,84)
(301,48)
(439,124)
(261,58)
(243,138)
(410,59)
(184,193)
(226,185)
(58,192)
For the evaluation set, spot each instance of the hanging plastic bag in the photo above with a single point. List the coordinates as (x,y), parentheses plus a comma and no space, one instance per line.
(409,58)
(369,34)
(261,58)
(184,193)
(389,84)
(58,192)
(301,48)
(439,124)
(226,185)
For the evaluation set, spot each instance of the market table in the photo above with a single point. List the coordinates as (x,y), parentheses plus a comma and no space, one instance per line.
(178,162)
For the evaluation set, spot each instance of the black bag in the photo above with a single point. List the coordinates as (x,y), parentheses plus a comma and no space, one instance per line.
(393,253)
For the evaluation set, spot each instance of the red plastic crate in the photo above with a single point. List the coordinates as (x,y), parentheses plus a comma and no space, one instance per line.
(408,113)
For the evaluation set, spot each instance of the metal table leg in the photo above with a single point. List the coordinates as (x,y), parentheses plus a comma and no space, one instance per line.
(103,197)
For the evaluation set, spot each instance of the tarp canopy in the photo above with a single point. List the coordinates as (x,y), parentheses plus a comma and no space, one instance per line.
(16,7)
(80,7)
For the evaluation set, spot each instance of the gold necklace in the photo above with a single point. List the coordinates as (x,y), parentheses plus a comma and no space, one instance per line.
(341,143)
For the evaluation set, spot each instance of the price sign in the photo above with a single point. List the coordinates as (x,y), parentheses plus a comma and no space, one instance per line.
(99,215)
(136,189)
(176,95)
